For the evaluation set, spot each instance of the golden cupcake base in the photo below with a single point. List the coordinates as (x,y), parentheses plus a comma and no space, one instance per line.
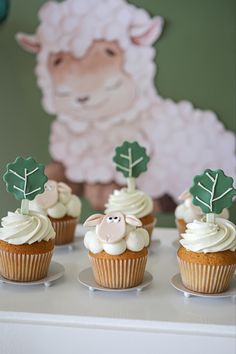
(25,263)
(119,272)
(65,229)
(209,273)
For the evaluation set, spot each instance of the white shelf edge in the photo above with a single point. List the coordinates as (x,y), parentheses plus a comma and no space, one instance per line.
(117,324)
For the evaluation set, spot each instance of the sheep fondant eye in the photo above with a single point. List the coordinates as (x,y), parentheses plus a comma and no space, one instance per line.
(116,219)
(109,219)
(110,52)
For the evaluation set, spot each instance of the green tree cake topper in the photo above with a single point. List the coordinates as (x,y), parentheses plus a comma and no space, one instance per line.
(131,159)
(212,192)
(25,179)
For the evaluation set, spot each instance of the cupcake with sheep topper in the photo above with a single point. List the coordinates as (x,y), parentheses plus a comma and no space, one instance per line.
(131,159)
(117,249)
(207,255)
(187,212)
(62,207)
(26,237)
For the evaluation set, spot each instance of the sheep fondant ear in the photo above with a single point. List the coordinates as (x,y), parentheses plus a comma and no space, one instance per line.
(147,33)
(93,220)
(132,220)
(184,195)
(28,42)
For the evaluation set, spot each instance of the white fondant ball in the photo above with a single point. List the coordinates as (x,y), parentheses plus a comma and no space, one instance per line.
(74,206)
(64,197)
(115,249)
(88,237)
(57,211)
(95,246)
(145,236)
(135,241)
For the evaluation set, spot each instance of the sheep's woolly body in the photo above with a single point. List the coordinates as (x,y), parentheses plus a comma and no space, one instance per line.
(182,140)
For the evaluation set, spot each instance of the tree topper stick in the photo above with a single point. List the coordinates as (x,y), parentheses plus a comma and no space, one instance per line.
(24,207)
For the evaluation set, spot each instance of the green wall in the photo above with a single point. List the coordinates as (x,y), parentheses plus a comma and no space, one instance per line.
(196,57)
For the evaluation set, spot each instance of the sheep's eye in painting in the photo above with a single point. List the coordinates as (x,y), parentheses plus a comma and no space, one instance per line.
(57,61)
(110,52)
(116,219)
(109,219)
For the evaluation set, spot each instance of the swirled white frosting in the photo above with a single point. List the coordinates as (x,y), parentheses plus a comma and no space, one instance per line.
(134,203)
(135,240)
(66,203)
(189,212)
(207,237)
(19,229)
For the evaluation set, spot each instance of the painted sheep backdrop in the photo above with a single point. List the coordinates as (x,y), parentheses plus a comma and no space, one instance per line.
(95,67)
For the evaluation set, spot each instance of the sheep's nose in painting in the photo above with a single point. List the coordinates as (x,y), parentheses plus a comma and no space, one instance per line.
(83,99)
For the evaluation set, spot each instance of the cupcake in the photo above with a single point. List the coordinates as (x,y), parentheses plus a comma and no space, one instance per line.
(131,159)
(26,246)
(26,237)
(207,255)
(117,249)
(62,207)
(187,212)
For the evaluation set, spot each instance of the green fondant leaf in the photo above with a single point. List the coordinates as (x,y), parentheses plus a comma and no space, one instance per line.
(212,191)
(131,159)
(25,178)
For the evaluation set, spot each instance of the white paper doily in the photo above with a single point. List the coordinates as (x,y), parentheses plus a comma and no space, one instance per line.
(176,282)
(86,278)
(56,271)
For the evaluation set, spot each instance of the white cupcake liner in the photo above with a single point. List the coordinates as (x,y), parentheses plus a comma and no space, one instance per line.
(24,267)
(118,274)
(203,278)
(65,230)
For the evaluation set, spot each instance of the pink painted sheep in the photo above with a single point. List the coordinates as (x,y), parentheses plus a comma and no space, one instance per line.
(95,69)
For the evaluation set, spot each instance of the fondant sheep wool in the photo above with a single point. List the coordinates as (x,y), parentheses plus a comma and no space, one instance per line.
(95,68)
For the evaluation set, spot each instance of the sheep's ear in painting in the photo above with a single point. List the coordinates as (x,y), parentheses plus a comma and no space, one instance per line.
(147,33)
(93,220)
(28,42)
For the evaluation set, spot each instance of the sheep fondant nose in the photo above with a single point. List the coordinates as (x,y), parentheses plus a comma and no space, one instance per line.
(83,99)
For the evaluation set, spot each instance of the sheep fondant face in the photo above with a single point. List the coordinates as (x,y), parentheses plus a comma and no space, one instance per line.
(112,235)
(94,85)
(111,228)
(49,197)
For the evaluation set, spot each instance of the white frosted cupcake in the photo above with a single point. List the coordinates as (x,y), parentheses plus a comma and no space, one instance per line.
(26,246)
(117,249)
(207,256)
(62,207)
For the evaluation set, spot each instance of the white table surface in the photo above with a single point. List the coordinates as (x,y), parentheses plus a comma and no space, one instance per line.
(153,314)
